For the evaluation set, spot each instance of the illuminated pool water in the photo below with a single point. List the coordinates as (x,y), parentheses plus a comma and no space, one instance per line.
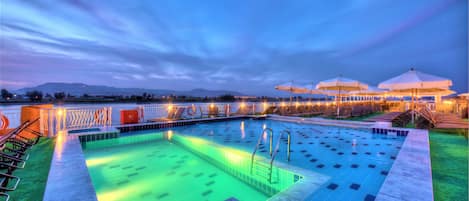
(144,166)
(157,166)
(357,161)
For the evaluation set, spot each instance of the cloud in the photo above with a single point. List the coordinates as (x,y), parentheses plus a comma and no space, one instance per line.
(249,48)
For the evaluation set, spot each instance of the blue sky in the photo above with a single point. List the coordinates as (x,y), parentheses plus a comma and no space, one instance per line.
(247,46)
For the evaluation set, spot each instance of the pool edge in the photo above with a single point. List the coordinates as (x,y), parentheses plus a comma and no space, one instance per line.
(69,160)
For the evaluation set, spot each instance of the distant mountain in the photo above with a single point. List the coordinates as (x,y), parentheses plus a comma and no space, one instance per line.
(78,89)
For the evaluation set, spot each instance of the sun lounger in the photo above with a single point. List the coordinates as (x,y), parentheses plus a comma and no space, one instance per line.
(213,111)
(5,196)
(13,146)
(174,113)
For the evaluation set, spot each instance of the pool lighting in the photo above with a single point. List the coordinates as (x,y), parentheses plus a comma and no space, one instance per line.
(170,134)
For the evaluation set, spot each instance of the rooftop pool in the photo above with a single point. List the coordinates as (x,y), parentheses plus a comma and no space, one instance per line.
(212,161)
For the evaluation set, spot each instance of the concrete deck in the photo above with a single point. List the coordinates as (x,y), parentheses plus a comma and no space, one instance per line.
(410,177)
(68,176)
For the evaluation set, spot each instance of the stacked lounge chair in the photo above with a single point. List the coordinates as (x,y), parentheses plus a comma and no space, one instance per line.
(14,144)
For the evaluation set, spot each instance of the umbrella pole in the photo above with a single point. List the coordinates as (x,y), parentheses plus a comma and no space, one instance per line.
(338,104)
(412,107)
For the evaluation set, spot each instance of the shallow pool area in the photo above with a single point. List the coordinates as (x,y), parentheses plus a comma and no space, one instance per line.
(164,166)
(156,169)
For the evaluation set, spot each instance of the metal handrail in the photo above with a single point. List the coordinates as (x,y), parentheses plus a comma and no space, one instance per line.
(277,147)
(259,141)
(278,144)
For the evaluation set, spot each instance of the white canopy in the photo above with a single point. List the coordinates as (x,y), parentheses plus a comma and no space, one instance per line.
(415,80)
(286,86)
(341,84)
(371,91)
(308,89)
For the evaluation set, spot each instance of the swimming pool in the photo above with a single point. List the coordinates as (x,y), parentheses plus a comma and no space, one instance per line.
(355,161)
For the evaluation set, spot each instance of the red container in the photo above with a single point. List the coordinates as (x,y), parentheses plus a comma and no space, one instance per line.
(129,116)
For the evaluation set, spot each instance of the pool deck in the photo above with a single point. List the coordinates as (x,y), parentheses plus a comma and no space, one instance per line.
(410,176)
(68,176)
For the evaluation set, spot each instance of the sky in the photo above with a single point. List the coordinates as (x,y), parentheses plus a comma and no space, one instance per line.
(241,45)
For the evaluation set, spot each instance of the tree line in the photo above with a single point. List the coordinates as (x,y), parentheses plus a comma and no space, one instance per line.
(38,96)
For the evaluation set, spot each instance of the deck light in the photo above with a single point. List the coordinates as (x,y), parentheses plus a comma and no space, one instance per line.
(60,112)
(242,105)
(282,104)
(447,102)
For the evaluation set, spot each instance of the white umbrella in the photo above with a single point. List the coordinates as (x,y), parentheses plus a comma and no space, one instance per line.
(464,95)
(371,91)
(289,86)
(341,84)
(414,82)
(308,89)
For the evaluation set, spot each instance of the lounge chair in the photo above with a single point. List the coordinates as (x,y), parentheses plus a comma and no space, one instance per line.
(13,144)
(174,113)
(245,110)
(213,111)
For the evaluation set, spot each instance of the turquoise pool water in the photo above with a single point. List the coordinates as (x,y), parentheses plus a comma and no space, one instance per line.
(146,167)
(357,161)
(164,166)
(156,169)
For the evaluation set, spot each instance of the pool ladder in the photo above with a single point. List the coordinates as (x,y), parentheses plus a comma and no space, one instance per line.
(261,168)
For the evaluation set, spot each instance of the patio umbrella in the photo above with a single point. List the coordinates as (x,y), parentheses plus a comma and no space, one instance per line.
(414,82)
(341,85)
(289,87)
(371,91)
(308,89)
(464,95)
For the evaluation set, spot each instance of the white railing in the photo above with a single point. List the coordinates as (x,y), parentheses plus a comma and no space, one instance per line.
(74,118)
(66,118)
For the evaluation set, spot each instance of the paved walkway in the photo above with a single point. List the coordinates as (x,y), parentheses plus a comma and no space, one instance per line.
(410,177)
(68,176)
